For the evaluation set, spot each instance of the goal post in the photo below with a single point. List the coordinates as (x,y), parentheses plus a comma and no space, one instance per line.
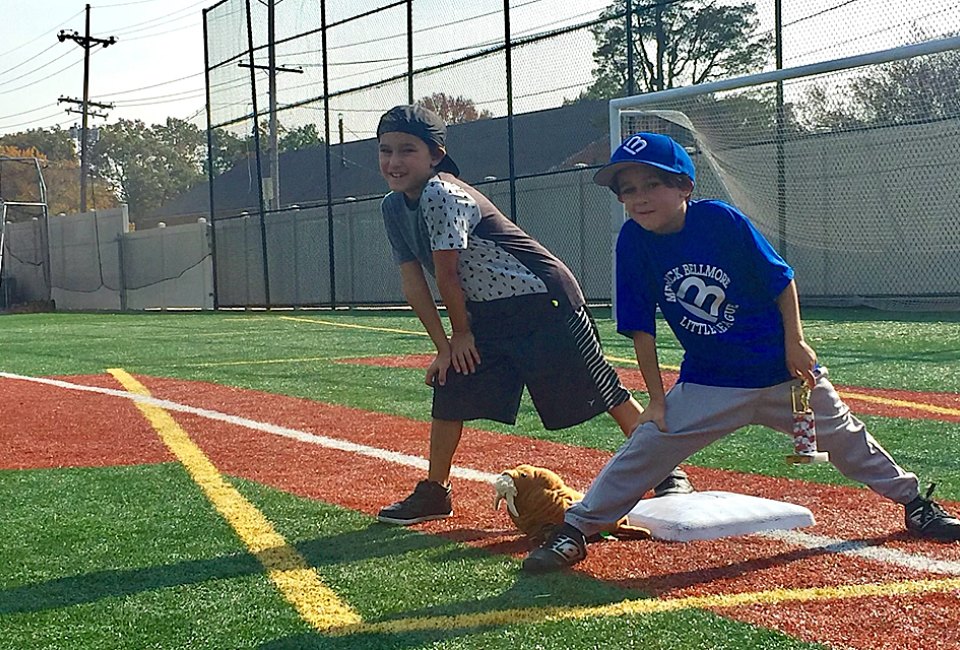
(24,232)
(854,182)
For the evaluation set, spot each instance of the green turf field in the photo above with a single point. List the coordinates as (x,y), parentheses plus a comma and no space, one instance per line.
(104,558)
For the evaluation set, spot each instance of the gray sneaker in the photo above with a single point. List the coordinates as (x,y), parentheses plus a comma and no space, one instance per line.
(565,547)
(927,518)
(429,501)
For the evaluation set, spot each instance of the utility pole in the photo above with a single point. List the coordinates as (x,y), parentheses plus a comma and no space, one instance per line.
(273,158)
(86,42)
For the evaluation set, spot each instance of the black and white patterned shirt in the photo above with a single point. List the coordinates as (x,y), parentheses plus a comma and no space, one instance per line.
(497,259)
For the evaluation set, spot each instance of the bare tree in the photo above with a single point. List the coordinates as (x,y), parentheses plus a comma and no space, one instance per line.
(454,110)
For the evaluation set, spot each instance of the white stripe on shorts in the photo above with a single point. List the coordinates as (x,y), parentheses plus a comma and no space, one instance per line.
(603,374)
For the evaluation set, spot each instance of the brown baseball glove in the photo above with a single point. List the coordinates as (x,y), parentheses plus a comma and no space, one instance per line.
(537,498)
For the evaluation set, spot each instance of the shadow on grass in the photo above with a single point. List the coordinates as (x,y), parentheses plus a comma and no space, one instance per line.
(347,550)
(90,587)
(370,546)
(570,590)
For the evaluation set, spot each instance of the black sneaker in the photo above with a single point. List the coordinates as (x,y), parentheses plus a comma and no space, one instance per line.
(676,483)
(927,518)
(563,549)
(429,501)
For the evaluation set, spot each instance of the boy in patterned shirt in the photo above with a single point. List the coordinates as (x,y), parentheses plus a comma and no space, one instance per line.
(517,314)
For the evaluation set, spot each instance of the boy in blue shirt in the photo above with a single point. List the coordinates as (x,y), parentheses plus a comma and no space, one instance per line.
(517,314)
(732,303)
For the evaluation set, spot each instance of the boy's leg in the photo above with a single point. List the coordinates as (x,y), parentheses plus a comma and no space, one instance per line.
(564,362)
(627,416)
(696,416)
(853,451)
(431,499)
(444,438)
(493,392)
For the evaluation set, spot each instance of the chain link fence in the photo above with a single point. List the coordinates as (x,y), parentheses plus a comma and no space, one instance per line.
(312,234)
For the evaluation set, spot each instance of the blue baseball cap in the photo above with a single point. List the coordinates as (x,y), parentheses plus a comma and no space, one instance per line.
(654,149)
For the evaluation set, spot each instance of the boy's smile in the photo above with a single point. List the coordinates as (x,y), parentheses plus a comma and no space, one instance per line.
(650,202)
(406,163)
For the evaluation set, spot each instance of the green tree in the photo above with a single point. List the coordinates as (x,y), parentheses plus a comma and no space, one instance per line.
(900,92)
(229,149)
(55,144)
(300,137)
(675,43)
(147,166)
(454,110)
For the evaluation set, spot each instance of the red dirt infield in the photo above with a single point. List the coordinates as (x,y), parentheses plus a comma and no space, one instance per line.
(49,427)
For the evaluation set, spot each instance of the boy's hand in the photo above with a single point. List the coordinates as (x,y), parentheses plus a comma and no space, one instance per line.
(801,360)
(463,352)
(655,412)
(437,371)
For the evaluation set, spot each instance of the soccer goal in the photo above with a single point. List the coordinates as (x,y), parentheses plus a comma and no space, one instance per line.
(24,233)
(851,168)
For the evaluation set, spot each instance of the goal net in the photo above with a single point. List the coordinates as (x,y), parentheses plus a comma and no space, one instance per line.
(24,253)
(851,168)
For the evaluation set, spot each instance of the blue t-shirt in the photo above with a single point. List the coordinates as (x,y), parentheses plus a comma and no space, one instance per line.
(716,282)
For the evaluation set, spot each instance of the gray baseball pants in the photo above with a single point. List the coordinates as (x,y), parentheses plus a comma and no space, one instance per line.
(697,415)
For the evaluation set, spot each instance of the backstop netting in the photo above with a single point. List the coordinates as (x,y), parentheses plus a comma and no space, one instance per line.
(850,168)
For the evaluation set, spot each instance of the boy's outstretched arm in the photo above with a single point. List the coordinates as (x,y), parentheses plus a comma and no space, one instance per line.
(645,346)
(463,349)
(418,295)
(801,358)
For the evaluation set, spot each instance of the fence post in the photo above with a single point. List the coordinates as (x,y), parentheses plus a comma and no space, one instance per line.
(122,277)
(508,58)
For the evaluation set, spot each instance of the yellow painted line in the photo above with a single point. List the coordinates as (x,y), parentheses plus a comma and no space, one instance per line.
(348,325)
(634,361)
(651,606)
(920,406)
(296,580)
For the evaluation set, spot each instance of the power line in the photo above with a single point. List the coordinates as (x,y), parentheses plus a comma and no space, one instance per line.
(160,20)
(26,112)
(127,37)
(156,85)
(25,62)
(41,34)
(39,67)
(39,119)
(49,76)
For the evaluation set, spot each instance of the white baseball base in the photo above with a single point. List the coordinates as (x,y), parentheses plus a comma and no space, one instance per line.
(711,515)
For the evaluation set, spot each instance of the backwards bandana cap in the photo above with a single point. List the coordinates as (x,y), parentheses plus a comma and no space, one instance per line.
(423,123)
(653,149)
